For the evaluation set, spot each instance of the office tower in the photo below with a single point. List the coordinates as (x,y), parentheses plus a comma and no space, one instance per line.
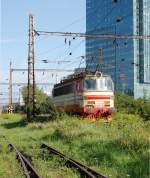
(126,60)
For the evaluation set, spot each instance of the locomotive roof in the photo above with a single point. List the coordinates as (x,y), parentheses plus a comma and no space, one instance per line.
(80,75)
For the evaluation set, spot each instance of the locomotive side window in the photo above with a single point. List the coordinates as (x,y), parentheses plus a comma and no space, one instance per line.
(63,90)
(90,84)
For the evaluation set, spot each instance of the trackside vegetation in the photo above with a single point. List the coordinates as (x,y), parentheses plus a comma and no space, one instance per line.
(127,104)
(45,108)
(118,149)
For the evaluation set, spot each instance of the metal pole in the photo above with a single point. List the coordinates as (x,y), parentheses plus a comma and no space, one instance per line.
(19,95)
(115,77)
(100,58)
(10,88)
(29,69)
(99,65)
(31,72)
(33,66)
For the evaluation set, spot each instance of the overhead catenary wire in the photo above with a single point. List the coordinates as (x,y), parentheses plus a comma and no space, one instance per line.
(66,27)
(80,19)
(73,50)
(86,35)
(87,16)
(70,53)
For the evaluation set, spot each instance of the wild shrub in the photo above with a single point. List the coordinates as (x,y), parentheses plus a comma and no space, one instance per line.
(127,104)
(44,106)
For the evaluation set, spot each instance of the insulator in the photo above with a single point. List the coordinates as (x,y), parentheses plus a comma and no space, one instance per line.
(69,42)
(65,40)
(70,54)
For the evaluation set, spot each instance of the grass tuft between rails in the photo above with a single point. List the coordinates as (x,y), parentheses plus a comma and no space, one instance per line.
(117,149)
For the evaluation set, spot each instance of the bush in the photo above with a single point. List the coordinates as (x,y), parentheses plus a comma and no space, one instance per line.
(127,104)
(44,106)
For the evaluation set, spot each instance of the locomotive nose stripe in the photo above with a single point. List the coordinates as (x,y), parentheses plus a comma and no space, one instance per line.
(97,97)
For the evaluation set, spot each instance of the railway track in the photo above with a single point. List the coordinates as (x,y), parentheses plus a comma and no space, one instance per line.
(25,161)
(85,171)
(30,171)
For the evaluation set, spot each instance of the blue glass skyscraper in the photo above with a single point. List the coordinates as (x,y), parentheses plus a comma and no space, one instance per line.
(126,60)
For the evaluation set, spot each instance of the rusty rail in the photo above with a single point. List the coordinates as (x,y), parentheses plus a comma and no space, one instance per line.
(29,170)
(85,171)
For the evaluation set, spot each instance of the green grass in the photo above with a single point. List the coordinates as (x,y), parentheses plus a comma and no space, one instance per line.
(117,149)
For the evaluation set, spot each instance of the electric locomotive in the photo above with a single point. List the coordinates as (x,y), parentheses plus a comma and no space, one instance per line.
(87,93)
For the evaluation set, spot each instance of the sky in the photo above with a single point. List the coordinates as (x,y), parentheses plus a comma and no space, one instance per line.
(58,15)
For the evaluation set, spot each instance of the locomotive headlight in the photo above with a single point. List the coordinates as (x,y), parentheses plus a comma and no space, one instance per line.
(107,103)
(89,106)
(91,102)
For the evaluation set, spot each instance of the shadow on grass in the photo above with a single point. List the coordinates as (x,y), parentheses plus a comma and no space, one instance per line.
(20,123)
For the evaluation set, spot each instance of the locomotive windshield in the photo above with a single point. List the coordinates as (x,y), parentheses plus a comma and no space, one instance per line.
(90,85)
(98,84)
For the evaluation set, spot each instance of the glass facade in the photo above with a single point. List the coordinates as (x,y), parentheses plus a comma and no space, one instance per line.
(126,60)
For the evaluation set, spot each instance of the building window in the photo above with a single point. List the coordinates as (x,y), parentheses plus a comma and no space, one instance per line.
(115,1)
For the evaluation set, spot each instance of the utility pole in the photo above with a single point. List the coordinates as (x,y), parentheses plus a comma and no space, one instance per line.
(115,72)
(100,58)
(99,65)
(19,94)
(10,109)
(31,72)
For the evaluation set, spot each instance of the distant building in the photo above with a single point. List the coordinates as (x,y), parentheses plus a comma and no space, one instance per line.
(126,60)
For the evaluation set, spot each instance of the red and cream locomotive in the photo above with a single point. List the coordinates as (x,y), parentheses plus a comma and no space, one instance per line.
(87,93)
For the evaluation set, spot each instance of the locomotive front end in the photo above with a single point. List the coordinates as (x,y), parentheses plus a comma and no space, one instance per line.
(98,96)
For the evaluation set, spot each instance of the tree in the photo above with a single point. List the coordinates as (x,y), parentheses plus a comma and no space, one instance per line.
(43,102)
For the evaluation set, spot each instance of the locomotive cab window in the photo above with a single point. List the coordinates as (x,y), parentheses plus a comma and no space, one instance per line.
(105,84)
(98,84)
(90,84)
(110,84)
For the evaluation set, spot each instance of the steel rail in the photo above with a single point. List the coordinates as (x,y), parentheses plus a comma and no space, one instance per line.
(85,171)
(29,170)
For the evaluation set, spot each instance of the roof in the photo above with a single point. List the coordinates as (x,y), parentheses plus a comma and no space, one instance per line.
(79,76)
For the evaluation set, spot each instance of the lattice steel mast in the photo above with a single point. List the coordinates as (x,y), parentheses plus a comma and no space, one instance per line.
(10,109)
(31,72)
